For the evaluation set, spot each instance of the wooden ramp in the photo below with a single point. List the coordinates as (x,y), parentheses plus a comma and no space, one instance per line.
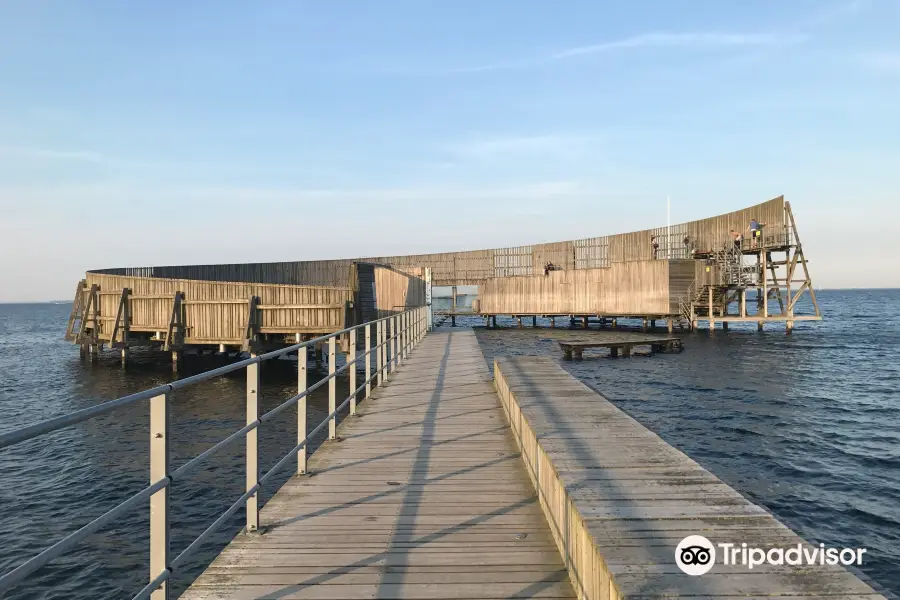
(426,496)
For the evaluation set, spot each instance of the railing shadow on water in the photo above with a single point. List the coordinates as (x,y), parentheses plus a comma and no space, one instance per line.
(389,339)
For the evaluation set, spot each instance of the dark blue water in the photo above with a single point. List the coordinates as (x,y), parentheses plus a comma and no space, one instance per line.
(53,485)
(807,425)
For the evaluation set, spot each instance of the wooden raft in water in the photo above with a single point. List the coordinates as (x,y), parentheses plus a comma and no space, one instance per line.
(624,342)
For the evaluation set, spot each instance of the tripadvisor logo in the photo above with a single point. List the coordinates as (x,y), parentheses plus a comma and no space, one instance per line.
(696,555)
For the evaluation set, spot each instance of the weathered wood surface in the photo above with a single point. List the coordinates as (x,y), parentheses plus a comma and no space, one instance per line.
(632,288)
(619,499)
(425,496)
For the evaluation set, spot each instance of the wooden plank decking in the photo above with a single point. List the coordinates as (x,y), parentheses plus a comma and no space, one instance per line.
(622,499)
(426,496)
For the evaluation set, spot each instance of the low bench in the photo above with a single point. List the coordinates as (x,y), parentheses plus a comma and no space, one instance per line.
(666,344)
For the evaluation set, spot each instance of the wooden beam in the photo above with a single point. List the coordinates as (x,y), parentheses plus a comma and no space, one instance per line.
(123,298)
(84,317)
(174,320)
(76,310)
(252,325)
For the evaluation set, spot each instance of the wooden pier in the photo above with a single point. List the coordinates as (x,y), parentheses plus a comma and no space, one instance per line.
(440,483)
(619,499)
(424,496)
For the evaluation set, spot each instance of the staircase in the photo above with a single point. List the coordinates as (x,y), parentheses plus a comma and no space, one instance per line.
(731,272)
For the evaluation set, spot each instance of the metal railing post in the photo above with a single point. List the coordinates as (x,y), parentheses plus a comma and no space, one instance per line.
(368,360)
(301,409)
(352,356)
(400,336)
(393,359)
(378,349)
(159,501)
(405,335)
(252,446)
(332,390)
(386,359)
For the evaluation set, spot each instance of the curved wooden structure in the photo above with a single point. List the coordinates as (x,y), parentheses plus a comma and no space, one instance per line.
(685,272)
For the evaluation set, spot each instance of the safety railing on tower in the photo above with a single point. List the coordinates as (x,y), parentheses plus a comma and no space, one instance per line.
(394,337)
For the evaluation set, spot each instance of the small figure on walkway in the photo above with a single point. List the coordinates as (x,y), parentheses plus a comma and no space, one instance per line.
(755,232)
(737,237)
(550,267)
(655,242)
(688,247)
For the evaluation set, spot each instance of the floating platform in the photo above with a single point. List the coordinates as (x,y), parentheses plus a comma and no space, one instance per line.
(620,342)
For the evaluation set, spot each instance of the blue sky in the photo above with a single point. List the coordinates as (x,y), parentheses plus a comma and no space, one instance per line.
(171,132)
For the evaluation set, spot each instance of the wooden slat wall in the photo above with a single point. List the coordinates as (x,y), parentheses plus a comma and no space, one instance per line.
(634,288)
(473,267)
(397,290)
(223,321)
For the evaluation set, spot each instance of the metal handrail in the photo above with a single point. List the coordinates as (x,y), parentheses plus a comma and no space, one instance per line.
(391,347)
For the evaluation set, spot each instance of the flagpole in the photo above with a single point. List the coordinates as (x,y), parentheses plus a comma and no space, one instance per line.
(668,224)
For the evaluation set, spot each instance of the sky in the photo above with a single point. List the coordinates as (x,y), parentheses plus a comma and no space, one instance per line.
(135,134)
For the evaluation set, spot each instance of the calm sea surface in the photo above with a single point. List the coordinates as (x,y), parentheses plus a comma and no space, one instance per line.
(807,426)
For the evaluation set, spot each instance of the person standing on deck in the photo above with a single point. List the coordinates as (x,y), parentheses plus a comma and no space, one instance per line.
(737,237)
(655,242)
(755,232)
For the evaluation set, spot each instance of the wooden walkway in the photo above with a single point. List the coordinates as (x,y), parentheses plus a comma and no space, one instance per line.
(631,497)
(426,496)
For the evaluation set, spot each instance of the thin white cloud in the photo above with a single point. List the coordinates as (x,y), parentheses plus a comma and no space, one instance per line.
(684,40)
(33,152)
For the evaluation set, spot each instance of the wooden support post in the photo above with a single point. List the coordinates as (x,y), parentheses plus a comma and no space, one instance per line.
(712,320)
(743,292)
(652,323)
(494,321)
(125,356)
(615,323)
(368,360)
(759,325)
(159,501)
(670,324)
(302,405)
(332,389)
(578,353)
(584,322)
(453,307)
(644,324)
(252,437)
(724,325)
(534,321)
(567,354)
(176,359)
(614,352)
(351,356)
(553,322)
(788,327)
(519,322)
(626,350)
(487,322)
